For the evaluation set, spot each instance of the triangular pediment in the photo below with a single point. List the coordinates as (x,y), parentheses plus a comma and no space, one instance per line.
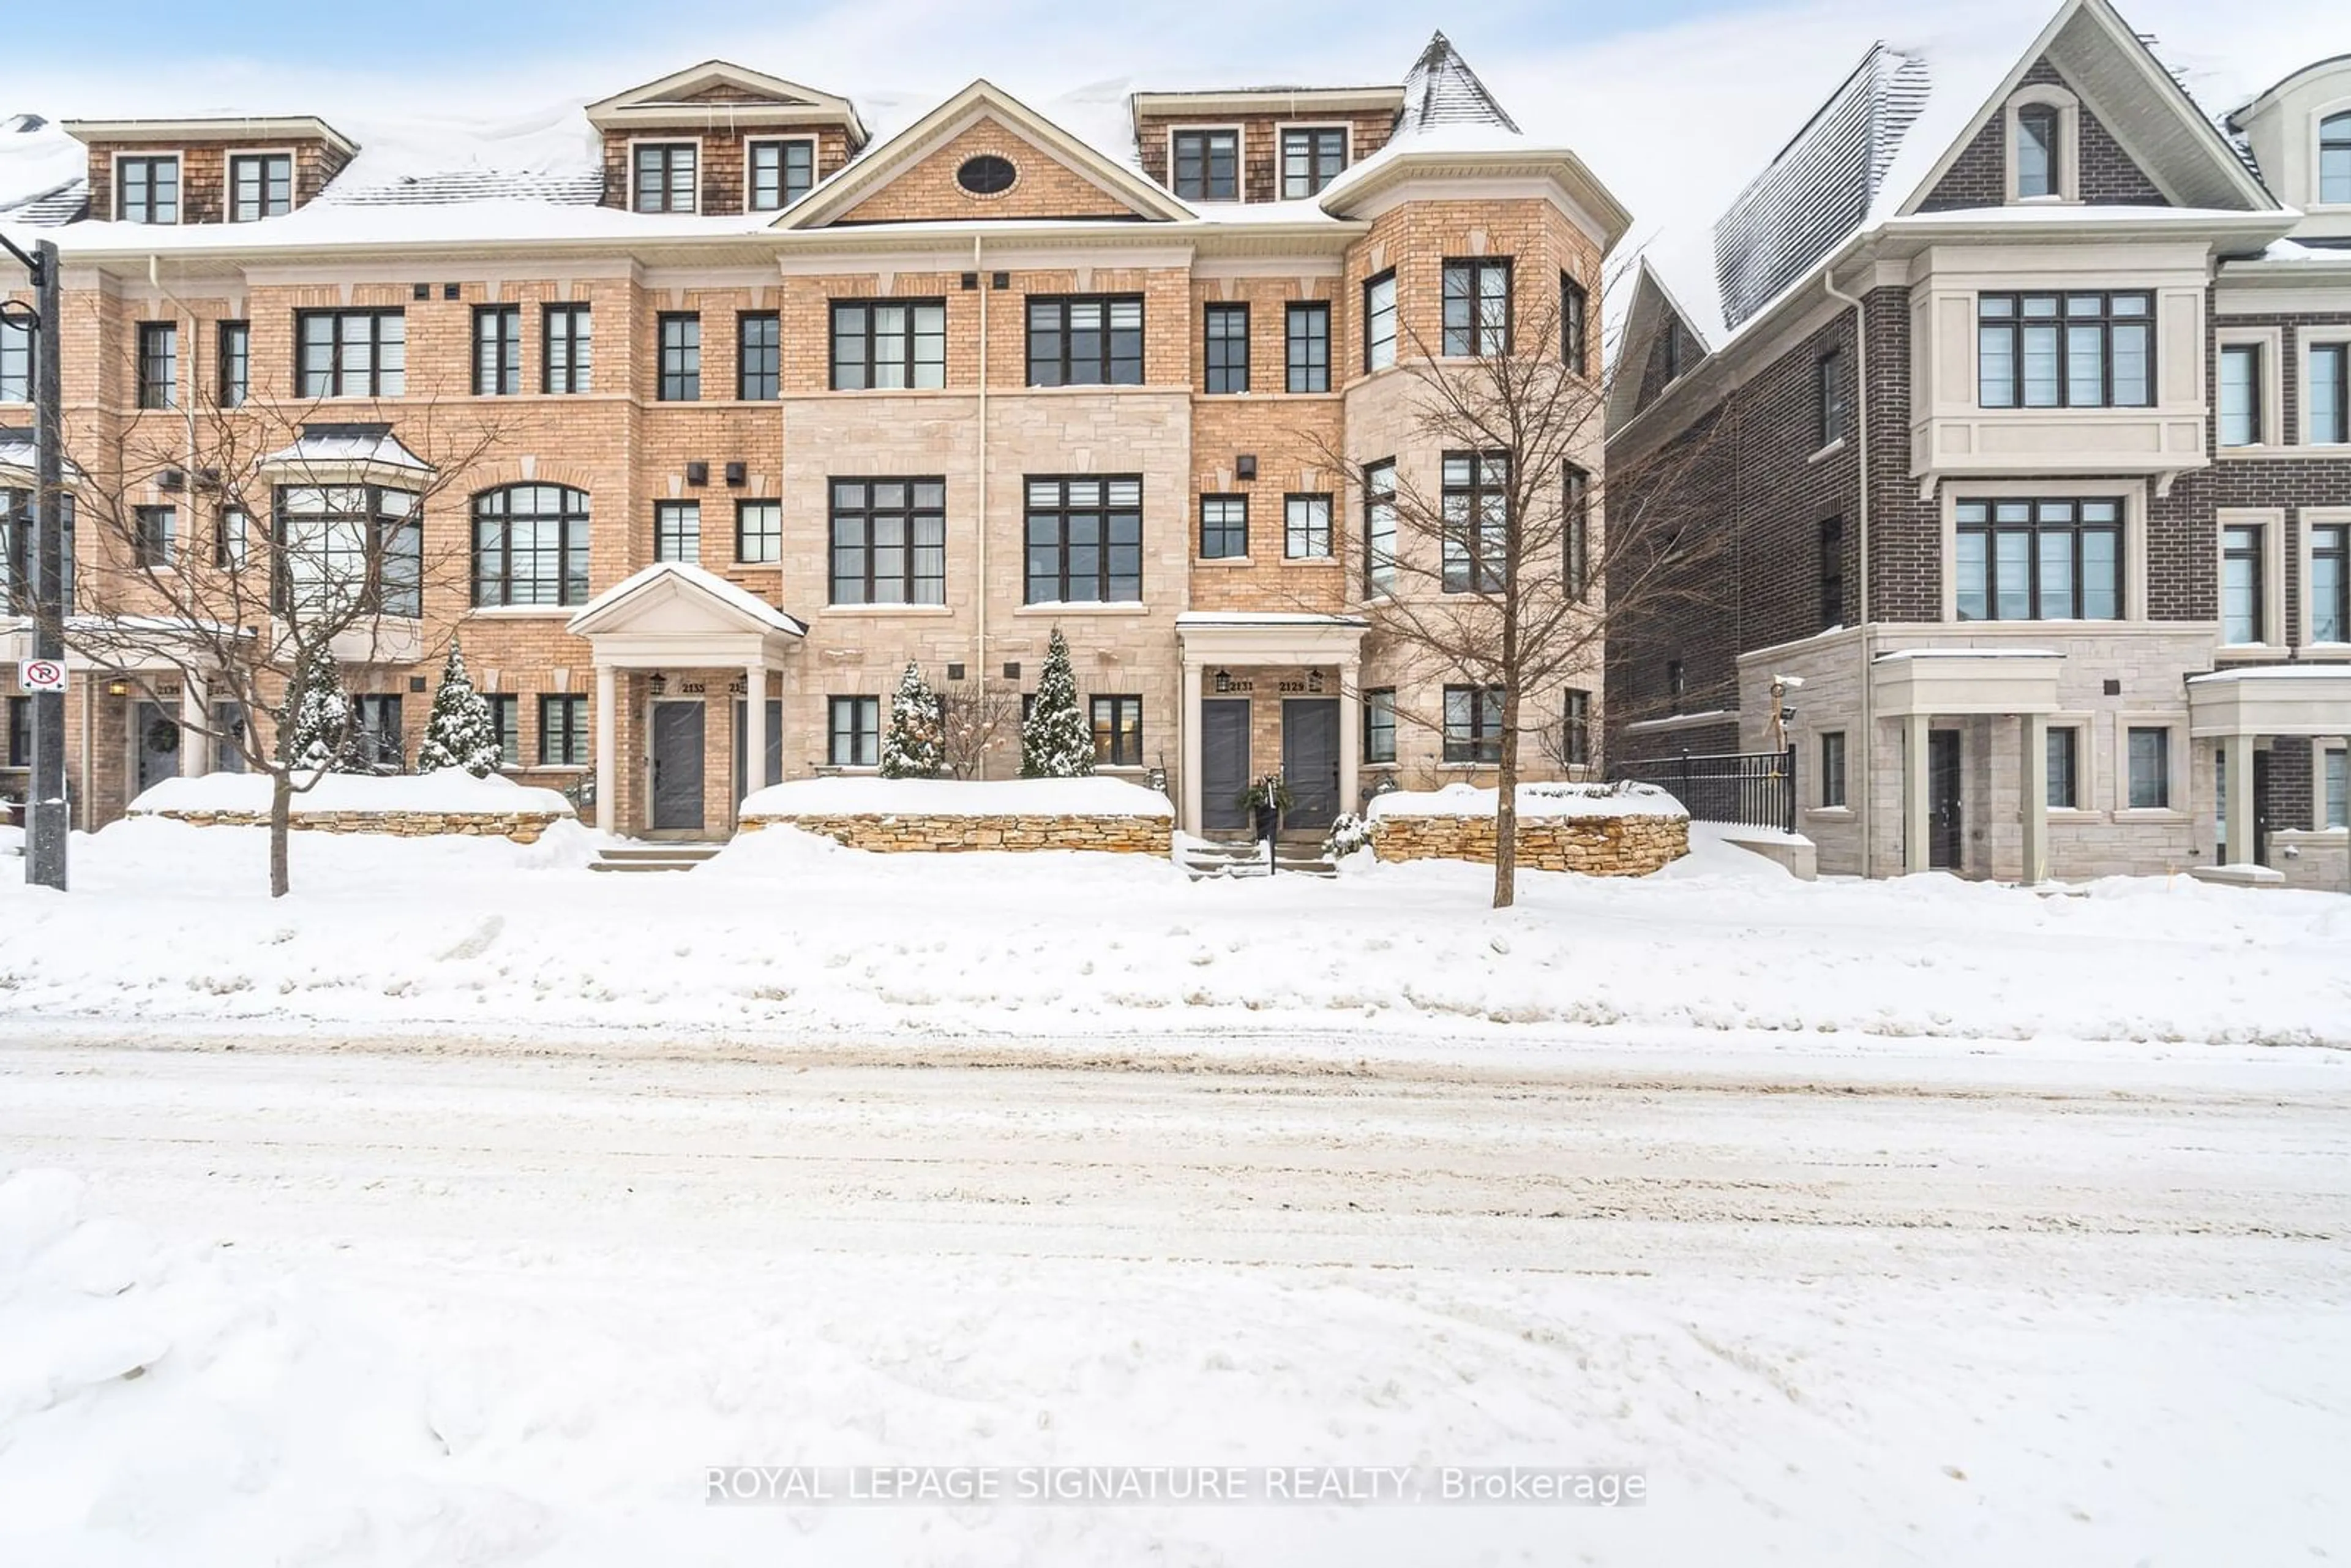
(672,600)
(720,90)
(917,176)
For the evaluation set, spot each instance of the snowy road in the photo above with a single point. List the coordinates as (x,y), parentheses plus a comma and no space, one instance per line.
(1880,1310)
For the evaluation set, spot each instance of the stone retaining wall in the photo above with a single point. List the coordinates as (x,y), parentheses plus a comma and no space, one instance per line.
(949,835)
(1596,846)
(521,827)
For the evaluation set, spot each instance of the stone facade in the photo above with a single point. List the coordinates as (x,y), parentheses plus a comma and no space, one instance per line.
(1592,846)
(521,827)
(957,834)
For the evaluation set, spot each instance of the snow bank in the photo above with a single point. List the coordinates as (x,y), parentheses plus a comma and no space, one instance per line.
(1626,800)
(860,796)
(451,790)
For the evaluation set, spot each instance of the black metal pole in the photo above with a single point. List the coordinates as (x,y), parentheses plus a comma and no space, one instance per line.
(45,858)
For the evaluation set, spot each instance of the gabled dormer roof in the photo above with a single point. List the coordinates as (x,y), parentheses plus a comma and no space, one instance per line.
(1441,90)
(982,101)
(1654,309)
(719,93)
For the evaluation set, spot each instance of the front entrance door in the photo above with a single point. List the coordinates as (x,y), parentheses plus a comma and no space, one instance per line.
(1944,816)
(156,739)
(677,767)
(1309,760)
(2260,855)
(1224,765)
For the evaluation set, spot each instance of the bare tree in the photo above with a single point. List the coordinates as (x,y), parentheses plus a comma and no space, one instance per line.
(238,547)
(974,720)
(1506,565)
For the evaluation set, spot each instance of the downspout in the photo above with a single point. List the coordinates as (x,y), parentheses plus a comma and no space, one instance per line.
(1868,632)
(979,648)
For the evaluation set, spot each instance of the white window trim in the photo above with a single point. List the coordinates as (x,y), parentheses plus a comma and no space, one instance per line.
(114,189)
(2271,341)
(2086,767)
(2270,521)
(2318,117)
(670,141)
(1240,163)
(2306,521)
(1284,127)
(2069,143)
(228,180)
(2180,759)
(2132,493)
(2305,338)
(815,147)
(2320,746)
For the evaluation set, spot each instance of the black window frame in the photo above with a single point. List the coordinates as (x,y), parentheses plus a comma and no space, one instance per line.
(1379,725)
(1292,532)
(787,191)
(154,531)
(862,733)
(758,364)
(1478,342)
(1379,567)
(2015,322)
(20,732)
(336,378)
(572,373)
(854,503)
(670,534)
(498,350)
(231,363)
(1230,540)
(506,722)
(1059,507)
(1480,742)
(1830,560)
(147,163)
(2335,137)
(266,198)
(1832,764)
(1834,409)
(2065,740)
(379,729)
(1225,353)
(1982,515)
(159,364)
(1057,338)
(1574,325)
(666,157)
(678,334)
(856,323)
(1306,345)
(2330,546)
(20,348)
(1197,142)
(2338,353)
(1575,523)
(495,514)
(770,538)
(1379,345)
(1576,728)
(564,730)
(2255,555)
(2256,404)
(231,539)
(394,536)
(1319,140)
(2050,124)
(1471,545)
(1120,744)
(2161,792)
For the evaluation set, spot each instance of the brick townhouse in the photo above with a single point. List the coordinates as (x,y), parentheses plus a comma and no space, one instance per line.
(2014,404)
(759,406)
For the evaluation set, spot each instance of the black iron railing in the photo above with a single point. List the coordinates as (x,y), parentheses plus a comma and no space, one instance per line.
(1751,788)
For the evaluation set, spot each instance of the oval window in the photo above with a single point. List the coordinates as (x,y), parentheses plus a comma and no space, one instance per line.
(987,174)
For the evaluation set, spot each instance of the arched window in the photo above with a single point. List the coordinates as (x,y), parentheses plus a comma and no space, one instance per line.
(530,546)
(2334,159)
(2036,150)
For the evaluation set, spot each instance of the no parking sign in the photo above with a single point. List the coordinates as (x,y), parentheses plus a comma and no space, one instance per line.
(41,675)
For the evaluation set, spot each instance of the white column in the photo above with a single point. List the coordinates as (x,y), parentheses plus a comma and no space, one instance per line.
(1189,718)
(1351,734)
(195,721)
(1915,855)
(2033,730)
(755,728)
(2239,750)
(608,747)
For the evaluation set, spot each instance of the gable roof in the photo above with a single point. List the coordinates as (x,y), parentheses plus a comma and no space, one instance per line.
(982,99)
(709,601)
(720,93)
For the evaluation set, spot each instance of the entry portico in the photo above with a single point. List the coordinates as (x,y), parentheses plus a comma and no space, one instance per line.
(675,617)
(1913,686)
(2239,709)
(1323,657)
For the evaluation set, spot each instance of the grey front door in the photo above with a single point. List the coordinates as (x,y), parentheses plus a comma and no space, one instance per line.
(677,766)
(1224,764)
(155,734)
(1309,760)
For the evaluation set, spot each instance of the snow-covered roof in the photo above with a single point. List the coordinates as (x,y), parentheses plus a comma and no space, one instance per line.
(740,602)
(339,446)
(1441,90)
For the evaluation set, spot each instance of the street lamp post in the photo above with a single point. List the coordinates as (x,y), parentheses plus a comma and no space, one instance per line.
(45,840)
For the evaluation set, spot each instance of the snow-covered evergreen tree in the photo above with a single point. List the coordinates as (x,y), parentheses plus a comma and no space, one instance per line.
(1055,740)
(321,712)
(460,733)
(914,747)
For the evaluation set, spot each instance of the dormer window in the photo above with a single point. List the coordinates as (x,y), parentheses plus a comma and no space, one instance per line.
(2044,124)
(1207,164)
(2036,150)
(1311,157)
(2334,160)
(260,185)
(147,189)
(666,174)
(781,173)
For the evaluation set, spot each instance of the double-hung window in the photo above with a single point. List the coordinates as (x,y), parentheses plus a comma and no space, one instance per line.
(1206,165)
(678,531)
(1380,322)
(159,364)
(2040,560)
(351,353)
(530,546)
(1831,397)
(506,722)
(1225,349)
(153,527)
(498,350)
(890,541)
(1084,538)
(1575,531)
(1086,341)
(1118,731)
(1224,528)
(1379,529)
(854,731)
(680,357)
(16,350)
(1311,157)
(2330,583)
(1473,724)
(1833,769)
(1478,307)
(2065,351)
(20,732)
(563,731)
(2150,752)
(781,172)
(889,344)
(568,353)
(232,367)
(1306,526)
(2036,150)
(2336,788)
(758,356)
(1477,502)
(2064,761)
(2240,413)
(147,190)
(2329,395)
(1307,337)
(232,540)
(260,185)
(2242,565)
(759,532)
(664,177)
(1574,325)
(1380,724)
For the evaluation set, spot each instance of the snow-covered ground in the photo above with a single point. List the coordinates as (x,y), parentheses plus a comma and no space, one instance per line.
(787,938)
(449,1305)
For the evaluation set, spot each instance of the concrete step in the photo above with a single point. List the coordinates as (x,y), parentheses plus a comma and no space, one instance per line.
(655,857)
